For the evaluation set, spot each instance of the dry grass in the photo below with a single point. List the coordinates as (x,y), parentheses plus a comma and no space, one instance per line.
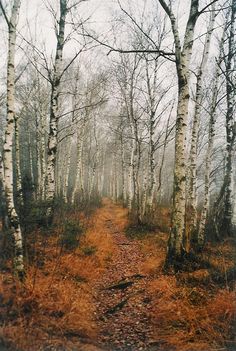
(48,309)
(190,311)
(187,318)
(55,305)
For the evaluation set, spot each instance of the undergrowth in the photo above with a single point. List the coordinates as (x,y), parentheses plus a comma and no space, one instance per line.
(193,310)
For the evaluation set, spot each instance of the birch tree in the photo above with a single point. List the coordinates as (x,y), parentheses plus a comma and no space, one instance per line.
(14,222)
(195,129)
(183,55)
(208,161)
(53,124)
(230,69)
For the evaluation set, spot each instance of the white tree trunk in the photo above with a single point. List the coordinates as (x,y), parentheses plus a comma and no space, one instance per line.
(53,124)
(41,157)
(227,227)
(8,145)
(123,170)
(95,163)
(183,55)
(78,185)
(18,165)
(2,196)
(67,170)
(196,120)
(211,134)
(130,194)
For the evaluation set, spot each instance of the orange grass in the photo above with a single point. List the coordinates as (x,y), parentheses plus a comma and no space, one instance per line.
(188,311)
(56,304)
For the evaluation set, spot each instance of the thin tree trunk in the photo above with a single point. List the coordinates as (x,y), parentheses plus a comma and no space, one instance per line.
(227,227)
(53,124)
(78,179)
(196,120)
(2,196)
(130,178)
(151,88)
(19,194)
(95,162)
(67,171)
(123,169)
(43,156)
(38,157)
(211,134)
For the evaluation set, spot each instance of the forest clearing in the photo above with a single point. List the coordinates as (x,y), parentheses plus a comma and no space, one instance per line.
(118,175)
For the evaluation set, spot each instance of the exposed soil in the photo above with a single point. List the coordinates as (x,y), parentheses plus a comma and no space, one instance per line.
(122,301)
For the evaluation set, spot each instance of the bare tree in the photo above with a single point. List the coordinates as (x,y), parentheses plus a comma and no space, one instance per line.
(9,135)
(198,97)
(230,122)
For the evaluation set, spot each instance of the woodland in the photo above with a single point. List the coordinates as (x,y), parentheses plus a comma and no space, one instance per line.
(117,175)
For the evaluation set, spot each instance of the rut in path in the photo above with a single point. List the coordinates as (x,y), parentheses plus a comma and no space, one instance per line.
(122,303)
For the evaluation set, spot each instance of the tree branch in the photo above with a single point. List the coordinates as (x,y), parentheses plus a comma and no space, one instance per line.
(4,14)
(206,7)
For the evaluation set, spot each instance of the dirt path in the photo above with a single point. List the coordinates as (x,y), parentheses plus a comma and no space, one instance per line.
(122,303)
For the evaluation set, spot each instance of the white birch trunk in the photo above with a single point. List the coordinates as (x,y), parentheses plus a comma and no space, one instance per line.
(102,176)
(211,134)
(8,145)
(227,227)
(123,170)
(53,124)
(130,194)
(31,166)
(152,180)
(151,88)
(183,55)
(196,120)
(78,185)
(95,162)
(2,196)
(43,120)
(38,155)
(18,165)
(67,171)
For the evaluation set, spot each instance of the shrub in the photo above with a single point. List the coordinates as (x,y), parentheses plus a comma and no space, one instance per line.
(139,231)
(71,235)
(34,214)
(89,250)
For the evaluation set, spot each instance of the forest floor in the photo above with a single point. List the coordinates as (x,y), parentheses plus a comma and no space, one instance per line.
(111,293)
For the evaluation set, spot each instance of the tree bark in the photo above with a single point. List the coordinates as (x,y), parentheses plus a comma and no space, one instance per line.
(53,124)
(227,227)
(14,222)
(211,134)
(19,195)
(196,119)
(183,55)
